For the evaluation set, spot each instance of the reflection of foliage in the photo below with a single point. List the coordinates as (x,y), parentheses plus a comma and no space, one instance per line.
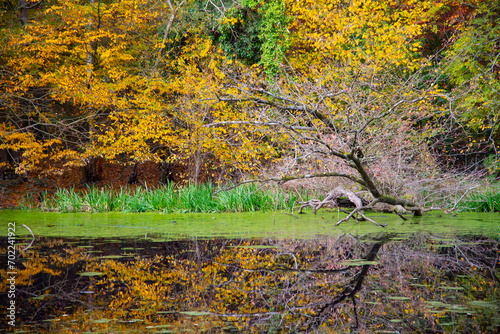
(46,279)
(421,283)
(429,279)
(37,265)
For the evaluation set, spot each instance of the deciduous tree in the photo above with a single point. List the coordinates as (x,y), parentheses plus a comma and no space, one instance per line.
(352,92)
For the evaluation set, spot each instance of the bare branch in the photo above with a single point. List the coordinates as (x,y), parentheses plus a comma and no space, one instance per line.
(284,179)
(167,29)
(313,112)
(216,124)
(388,112)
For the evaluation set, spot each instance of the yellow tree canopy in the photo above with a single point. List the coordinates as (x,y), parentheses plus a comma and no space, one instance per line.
(178,80)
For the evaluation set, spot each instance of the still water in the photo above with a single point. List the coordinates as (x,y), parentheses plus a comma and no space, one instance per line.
(240,273)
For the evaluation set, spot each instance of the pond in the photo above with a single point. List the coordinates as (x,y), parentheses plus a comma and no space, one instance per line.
(251,272)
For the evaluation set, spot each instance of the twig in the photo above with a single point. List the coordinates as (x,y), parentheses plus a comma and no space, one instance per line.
(167,29)
(358,210)
(399,214)
(462,197)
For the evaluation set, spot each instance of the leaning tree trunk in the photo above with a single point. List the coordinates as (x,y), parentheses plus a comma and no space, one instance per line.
(369,183)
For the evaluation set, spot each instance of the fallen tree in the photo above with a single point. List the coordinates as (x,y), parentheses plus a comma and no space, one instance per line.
(350,101)
(313,132)
(356,143)
(333,198)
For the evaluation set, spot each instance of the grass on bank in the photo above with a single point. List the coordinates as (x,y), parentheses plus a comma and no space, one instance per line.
(168,198)
(200,198)
(488,201)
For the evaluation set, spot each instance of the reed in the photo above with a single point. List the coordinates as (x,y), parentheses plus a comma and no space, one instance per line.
(99,200)
(246,198)
(27,202)
(68,200)
(163,198)
(170,198)
(488,201)
(196,198)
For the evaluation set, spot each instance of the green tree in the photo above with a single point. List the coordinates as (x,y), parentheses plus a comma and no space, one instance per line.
(472,65)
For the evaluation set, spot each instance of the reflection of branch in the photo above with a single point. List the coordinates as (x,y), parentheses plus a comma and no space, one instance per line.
(241,315)
(60,294)
(288,269)
(32,240)
(352,288)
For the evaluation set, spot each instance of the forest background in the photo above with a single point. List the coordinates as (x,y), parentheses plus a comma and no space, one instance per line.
(400,98)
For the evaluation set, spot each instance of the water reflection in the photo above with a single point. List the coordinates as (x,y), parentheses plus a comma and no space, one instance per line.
(369,284)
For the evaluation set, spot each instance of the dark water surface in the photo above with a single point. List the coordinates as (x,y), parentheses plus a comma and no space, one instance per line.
(239,273)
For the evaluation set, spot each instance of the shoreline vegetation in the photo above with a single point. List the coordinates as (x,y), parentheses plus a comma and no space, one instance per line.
(167,198)
(488,201)
(201,198)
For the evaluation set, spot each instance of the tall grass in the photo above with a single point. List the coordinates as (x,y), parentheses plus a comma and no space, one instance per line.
(247,198)
(482,202)
(170,198)
(27,202)
(196,198)
(68,200)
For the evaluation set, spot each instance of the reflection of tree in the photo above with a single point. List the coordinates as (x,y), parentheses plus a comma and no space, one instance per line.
(373,283)
(432,282)
(46,279)
(326,311)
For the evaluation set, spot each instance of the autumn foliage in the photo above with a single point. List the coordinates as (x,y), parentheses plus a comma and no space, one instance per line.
(192,86)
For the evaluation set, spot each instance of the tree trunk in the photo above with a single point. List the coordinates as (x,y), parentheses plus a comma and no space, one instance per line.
(4,163)
(369,183)
(23,12)
(92,171)
(166,172)
(134,176)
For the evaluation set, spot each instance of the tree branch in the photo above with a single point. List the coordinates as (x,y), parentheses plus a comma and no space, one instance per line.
(317,114)
(217,124)
(284,179)
(167,29)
